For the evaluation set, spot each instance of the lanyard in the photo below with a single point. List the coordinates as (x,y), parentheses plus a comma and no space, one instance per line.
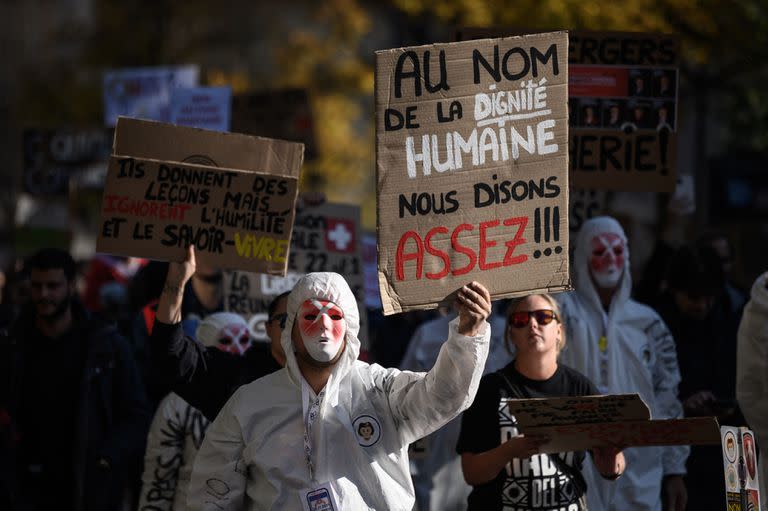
(310,411)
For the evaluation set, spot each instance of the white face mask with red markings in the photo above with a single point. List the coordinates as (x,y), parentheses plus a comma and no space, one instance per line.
(606,262)
(235,339)
(322,328)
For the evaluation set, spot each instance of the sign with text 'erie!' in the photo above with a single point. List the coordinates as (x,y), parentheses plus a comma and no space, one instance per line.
(472,168)
(232,196)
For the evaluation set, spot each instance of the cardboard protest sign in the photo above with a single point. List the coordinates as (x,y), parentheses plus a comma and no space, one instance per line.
(202,107)
(326,237)
(622,108)
(230,195)
(580,423)
(742,482)
(54,157)
(144,93)
(285,114)
(472,169)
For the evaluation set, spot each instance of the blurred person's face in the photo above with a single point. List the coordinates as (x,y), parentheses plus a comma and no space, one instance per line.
(276,324)
(319,331)
(639,84)
(210,274)
(639,114)
(50,292)
(614,112)
(662,114)
(606,263)
(723,250)
(693,306)
(542,331)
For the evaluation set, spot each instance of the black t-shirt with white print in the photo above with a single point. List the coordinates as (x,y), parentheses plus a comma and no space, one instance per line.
(536,483)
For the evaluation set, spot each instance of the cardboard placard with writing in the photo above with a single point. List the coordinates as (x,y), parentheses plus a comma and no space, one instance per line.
(326,237)
(232,196)
(623,107)
(584,422)
(472,169)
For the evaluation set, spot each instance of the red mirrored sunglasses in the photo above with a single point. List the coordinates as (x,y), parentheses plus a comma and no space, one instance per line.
(520,319)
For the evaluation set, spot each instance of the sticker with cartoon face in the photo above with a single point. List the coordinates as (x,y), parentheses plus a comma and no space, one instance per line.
(367,430)
(730,447)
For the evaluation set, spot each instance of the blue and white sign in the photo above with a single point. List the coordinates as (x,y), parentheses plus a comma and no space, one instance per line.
(202,107)
(144,93)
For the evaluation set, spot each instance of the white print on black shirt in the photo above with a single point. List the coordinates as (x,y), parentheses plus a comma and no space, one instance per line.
(535,483)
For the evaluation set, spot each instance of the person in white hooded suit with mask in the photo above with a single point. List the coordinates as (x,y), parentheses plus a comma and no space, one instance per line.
(624,347)
(329,430)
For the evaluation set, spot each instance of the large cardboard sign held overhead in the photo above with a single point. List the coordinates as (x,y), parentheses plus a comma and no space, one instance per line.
(580,423)
(232,196)
(623,108)
(472,168)
(326,237)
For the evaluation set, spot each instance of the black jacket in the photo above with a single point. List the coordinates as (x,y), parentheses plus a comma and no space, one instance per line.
(204,377)
(112,416)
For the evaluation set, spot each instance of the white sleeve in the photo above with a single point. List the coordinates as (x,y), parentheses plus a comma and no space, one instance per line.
(164,456)
(218,481)
(666,378)
(423,402)
(752,361)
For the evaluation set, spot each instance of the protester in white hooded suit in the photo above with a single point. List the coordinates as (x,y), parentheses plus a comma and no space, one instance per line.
(623,347)
(328,426)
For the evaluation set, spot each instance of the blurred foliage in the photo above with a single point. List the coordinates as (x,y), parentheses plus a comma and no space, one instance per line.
(325,48)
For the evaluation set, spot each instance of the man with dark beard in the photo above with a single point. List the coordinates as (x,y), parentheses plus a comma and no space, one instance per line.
(73,406)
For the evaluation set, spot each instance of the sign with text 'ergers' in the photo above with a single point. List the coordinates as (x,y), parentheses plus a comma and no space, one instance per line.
(472,168)
(326,237)
(230,195)
(580,423)
(622,106)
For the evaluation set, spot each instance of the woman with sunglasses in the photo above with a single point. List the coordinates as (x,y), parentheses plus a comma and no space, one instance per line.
(502,464)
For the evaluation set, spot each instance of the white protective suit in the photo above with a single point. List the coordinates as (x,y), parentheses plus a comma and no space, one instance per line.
(253,456)
(437,475)
(178,428)
(641,358)
(752,373)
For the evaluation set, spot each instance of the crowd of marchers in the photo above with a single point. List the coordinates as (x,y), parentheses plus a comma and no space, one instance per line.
(125,385)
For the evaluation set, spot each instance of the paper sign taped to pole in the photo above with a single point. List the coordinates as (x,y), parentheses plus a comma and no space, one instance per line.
(232,196)
(472,169)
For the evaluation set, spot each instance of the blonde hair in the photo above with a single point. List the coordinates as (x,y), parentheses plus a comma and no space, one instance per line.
(555,307)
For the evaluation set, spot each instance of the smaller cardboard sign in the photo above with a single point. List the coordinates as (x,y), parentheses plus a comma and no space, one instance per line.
(585,422)
(742,476)
(144,93)
(237,217)
(202,107)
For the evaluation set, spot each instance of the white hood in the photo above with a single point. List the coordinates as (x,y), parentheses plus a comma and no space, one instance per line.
(324,286)
(582,279)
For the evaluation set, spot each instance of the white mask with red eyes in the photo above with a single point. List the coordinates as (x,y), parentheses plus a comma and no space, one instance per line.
(322,328)
(234,338)
(606,261)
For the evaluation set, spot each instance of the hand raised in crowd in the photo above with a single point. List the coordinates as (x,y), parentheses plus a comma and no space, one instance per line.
(524,446)
(474,304)
(179,273)
(699,404)
(609,461)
